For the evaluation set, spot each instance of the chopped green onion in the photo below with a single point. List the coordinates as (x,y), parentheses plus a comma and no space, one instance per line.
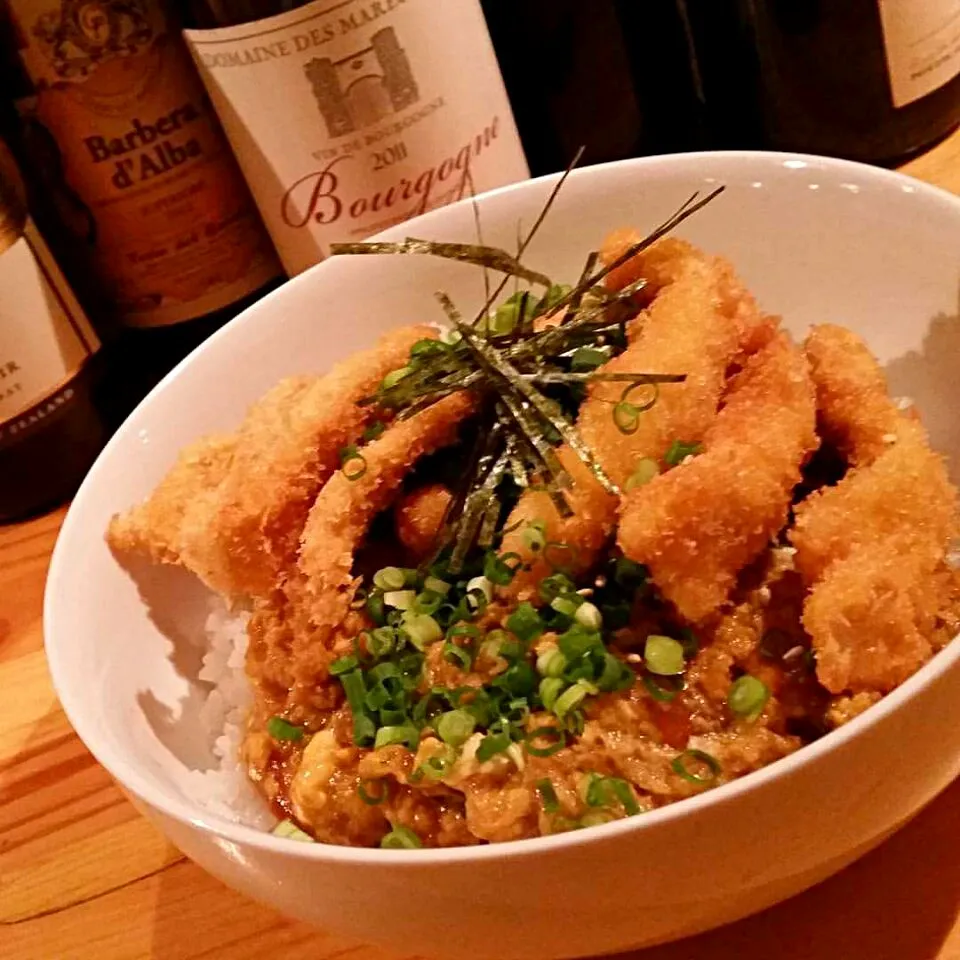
(436,585)
(378,796)
(548,796)
(501,570)
(556,294)
(388,736)
(422,629)
(376,609)
(390,578)
(491,745)
(585,359)
(593,790)
(556,585)
(455,726)
(747,697)
(343,665)
(550,688)
(400,599)
(572,697)
(535,535)
(663,689)
(604,791)
(525,623)
(690,642)
(427,601)
(554,737)
(565,605)
(373,431)
(663,655)
(364,730)
(511,312)
(686,764)
(626,417)
(471,631)
(614,674)
(352,463)
(574,722)
(624,793)
(395,376)
(679,451)
(288,830)
(381,641)
(354,688)
(645,470)
(281,729)
(437,766)
(551,663)
(588,615)
(576,641)
(519,679)
(454,653)
(483,585)
(401,838)
(427,348)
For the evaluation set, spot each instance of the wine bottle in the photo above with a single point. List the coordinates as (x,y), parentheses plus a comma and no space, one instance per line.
(872,80)
(613,76)
(50,426)
(353,116)
(118,128)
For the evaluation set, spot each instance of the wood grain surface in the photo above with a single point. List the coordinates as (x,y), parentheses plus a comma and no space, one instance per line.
(82,875)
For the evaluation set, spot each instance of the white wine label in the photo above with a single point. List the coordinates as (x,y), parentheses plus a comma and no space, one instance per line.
(45,338)
(922,39)
(349,116)
(146,182)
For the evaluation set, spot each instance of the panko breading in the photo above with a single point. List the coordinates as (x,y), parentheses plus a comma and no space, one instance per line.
(661,264)
(871,616)
(684,331)
(905,491)
(689,328)
(156,526)
(669,260)
(855,411)
(868,548)
(295,632)
(283,459)
(244,534)
(698,525)
(534,522)
(344,509)
(418,517)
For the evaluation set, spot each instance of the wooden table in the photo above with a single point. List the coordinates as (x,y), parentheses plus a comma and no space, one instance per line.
(83,876)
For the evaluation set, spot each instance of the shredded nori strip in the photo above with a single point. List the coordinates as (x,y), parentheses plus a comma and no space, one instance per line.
(516,375)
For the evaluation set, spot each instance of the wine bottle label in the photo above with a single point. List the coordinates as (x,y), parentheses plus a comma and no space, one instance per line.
(922,39)
(45,338)
(349,116)
(147,178)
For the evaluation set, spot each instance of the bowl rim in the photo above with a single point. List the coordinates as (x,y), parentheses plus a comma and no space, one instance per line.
(192,815)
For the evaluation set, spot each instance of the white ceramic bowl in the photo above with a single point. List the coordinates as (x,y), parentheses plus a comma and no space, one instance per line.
(817,240)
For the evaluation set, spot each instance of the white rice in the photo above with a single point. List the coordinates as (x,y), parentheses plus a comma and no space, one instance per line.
(223,788)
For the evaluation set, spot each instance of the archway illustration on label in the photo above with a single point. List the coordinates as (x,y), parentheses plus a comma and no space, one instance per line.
(363,88)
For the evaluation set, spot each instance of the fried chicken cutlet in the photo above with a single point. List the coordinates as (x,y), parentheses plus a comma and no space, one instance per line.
(698,525)
(869,548)
(244,532)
